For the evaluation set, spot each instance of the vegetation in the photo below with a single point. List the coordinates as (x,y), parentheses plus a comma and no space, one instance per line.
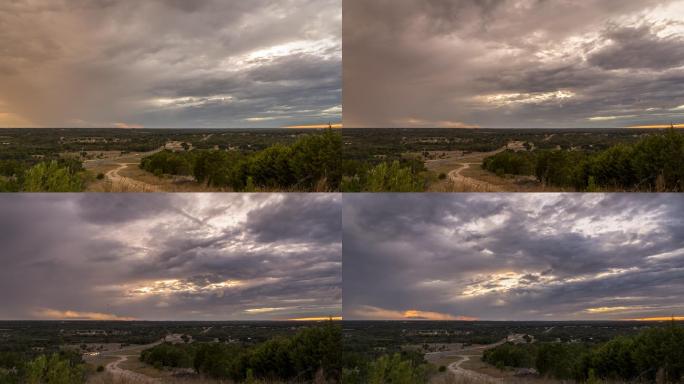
(57,368)
(311,352)
(311,163)
(651,164)
(385,177)
(655,354)
(54,176)
(560,350)
(578,159)
(399,368)
(213,346)
(22,149)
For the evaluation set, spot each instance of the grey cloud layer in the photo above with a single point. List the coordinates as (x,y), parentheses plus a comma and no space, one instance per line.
(157,63)
(171,257)
(513,63)
(514,257)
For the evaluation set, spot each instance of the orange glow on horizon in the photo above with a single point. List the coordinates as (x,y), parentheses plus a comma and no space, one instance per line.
(670,318)
(657,126)
(316,126)
(11,120)
(369,312)
(54,314)
(128,126)
(333,318)
(413,314)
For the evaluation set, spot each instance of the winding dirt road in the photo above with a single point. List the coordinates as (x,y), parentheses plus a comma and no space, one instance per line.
(126,375)
(465,355)
(472,184)
(458,371)
(476,185)
(123,355)
(116,179)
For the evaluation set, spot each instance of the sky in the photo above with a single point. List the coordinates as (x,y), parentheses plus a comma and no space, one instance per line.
(170,63)
(513,63)
(170,256)
(513,257)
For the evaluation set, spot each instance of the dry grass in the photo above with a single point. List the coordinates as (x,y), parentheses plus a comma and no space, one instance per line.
(486,181)
(136,180)
(107,378)
(444,162)
(451,379)
(134,364)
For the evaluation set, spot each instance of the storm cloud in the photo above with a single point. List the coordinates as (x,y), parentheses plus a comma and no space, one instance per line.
(513,63)
(170,257)
(169,63)
(513,257)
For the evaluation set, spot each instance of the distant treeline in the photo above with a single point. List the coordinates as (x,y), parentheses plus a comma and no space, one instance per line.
(655,163)
(311,353)
(654,355)
(312,163)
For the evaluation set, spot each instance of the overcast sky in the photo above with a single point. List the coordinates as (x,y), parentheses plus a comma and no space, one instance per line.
(513,63)
(170,257)
(170,63)
(513,256)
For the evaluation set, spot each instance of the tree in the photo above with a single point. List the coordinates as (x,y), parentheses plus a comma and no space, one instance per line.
(392,178)
(54,370)
(395,370)
(51,177)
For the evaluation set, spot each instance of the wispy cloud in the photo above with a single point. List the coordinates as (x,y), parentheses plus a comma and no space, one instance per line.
(170,257)
(158,63)
(513,257)
(510,63)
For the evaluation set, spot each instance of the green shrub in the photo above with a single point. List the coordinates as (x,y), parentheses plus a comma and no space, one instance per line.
(52,177)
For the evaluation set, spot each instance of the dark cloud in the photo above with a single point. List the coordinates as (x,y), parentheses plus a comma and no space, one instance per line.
(639,48)
(515,257)
(306,218)
(512,63)
(158,63)
(185,256)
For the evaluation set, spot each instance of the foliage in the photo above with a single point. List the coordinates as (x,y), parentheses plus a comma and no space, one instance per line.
(396,370)
(57,368)
(651,164)
(52,177)
(168,356)
(54,370)
(167,162)
(303,165)
(509,162)
(385,177)
(509,355)
(298,357)
(656,352)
